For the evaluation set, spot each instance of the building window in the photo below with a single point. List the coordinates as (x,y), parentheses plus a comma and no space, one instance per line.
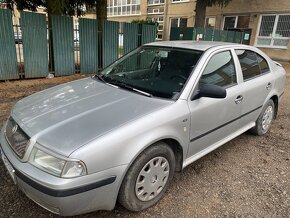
(178,1)
(160,27)
(159,36)
(210,22)
(156,19)
(155,2)
(274,31)
(178,22)
(240,22)
(155,11)
(123,7)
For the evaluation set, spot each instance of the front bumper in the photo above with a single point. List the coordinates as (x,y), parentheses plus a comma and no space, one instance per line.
(66,197)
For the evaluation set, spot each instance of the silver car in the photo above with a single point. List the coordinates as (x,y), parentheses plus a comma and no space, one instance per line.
(121,135)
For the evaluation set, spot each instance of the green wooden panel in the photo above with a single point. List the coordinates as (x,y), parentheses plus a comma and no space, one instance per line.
(188,33)
(148,33)
(8,60)
(88,38)
(174,33)
(110,42)
(130,37)
(63,45)
(35,45)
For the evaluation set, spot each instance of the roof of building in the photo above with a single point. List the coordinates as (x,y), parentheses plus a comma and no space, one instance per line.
(190,44)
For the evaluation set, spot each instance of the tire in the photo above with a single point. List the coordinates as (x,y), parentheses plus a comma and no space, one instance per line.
(147,178)
(265,119)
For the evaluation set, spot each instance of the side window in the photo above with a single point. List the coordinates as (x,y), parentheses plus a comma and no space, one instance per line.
(220,70)
(249,63)
(264,67)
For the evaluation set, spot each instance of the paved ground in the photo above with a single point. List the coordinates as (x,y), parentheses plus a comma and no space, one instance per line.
(247,177)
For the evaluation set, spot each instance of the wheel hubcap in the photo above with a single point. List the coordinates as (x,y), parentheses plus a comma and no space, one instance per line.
(152,179)
(267,118)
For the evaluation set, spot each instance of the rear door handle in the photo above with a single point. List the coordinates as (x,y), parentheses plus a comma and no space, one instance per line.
(239,99)
(269,85)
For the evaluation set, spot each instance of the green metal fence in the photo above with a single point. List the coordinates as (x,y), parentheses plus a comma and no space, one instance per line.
(88,39)
(110,42)
(130,36)
(205,34)
(74,48)
(35,45)
(63,45)
(8,59)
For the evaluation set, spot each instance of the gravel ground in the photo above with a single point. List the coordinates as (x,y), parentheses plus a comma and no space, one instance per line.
(247,177)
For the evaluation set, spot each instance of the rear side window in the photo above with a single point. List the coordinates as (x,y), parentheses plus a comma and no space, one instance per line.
(264,67)
(220,70)
(249,63)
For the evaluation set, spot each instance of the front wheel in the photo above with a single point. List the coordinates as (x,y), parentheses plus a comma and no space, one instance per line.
(148,178)
(265,119)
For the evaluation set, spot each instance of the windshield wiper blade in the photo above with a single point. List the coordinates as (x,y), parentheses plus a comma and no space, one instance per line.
(100,77)
(126,86)
(142,92)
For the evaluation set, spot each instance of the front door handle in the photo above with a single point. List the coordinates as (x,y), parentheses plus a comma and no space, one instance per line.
(239,99)
(269,85)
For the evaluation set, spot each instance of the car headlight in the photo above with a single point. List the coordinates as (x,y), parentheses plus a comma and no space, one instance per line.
(56,166)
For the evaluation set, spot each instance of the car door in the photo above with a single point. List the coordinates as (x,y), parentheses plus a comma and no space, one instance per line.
(256,85)
(212,120)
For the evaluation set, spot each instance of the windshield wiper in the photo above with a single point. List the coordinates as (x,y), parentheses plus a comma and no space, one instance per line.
(128,87)
(100,77)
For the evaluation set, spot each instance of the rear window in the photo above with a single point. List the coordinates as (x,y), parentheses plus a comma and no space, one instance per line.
(249,63)
(263,64)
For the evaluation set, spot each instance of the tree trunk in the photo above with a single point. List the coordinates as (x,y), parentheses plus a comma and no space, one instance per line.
(52,8)
(200,10)
(102,9)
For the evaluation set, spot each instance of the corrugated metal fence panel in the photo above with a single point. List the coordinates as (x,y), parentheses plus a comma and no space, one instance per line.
(148,33)
(231,36)
(238,37)
(88,33)
(130,37)
(208,34)
(174,33)
(188,33)
(110,42)
(8,60)
(35,44)
(63,45)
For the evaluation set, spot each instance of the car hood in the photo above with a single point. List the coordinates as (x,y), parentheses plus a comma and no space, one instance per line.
(65,117)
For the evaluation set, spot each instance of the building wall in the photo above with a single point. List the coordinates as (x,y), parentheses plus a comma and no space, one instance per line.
(254,9)
(183,9)
(179,10)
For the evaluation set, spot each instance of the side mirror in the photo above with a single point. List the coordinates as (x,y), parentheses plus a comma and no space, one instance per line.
(210,91)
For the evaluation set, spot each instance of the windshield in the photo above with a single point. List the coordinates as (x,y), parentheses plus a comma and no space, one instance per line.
(154,71)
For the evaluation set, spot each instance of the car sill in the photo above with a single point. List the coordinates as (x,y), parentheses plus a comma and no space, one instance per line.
(217,144)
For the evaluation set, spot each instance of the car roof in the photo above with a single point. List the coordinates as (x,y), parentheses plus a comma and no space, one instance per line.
(190,44)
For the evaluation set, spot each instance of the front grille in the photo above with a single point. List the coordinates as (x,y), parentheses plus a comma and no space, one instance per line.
(17,139)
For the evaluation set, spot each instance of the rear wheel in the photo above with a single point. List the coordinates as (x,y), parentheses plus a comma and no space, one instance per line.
(148,178)
(265,119)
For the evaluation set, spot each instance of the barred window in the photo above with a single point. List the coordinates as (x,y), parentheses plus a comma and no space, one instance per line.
(123,7)
(274,31)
